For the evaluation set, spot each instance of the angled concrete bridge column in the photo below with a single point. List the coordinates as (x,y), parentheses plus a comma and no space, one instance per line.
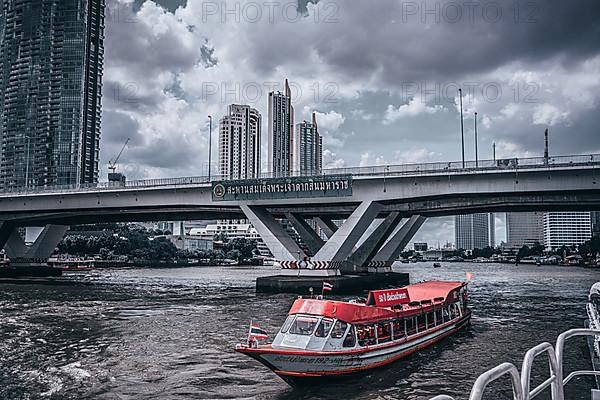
(11,241)
(392,249)
(328,227)
(341,244)
(283,247)
(306,232)
(46,242)
(360,259)
(41,249)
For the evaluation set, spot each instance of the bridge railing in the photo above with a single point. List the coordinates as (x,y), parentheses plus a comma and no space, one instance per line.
(379,170)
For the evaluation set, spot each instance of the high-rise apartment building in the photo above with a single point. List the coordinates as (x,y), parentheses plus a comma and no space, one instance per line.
(492,229)
(566,228)
(239,143)
(281,132)
(472,231)
(51,59)
(308,151)
(596,223)
(524,229)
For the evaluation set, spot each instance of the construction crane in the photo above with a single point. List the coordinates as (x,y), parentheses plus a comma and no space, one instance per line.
(112,165)
(115,178)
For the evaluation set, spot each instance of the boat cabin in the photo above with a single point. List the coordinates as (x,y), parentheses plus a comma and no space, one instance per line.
(385,316)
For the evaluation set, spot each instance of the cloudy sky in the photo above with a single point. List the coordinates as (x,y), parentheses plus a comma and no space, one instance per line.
(382,75)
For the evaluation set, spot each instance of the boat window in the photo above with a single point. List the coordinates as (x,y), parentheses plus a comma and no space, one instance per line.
(384,333)
(303,325)
(366,335)
(287,323)
(338,330)
(324,327)
(350,339)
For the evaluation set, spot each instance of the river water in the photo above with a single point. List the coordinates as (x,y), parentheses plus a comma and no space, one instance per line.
(169,334)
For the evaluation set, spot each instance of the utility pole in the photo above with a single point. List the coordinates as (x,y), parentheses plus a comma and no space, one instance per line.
(27,163)
(494,150)
(546,147)
(209,145)
(462,128)
(476,145)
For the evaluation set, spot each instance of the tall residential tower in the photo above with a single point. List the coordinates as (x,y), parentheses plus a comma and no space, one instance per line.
(308,151)
(281,132)
(51,59)
(239,143)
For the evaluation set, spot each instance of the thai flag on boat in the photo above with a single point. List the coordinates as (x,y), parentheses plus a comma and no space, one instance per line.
(327,287)
(257,332)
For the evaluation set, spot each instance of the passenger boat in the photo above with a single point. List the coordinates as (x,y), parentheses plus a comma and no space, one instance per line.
(324,338)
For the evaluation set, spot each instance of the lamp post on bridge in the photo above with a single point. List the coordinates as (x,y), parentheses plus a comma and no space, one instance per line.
(27,163)
(209,145)
(462,128)
(476,145)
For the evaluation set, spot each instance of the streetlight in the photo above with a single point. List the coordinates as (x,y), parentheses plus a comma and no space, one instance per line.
(209,145)
(27,162)
(462,128)
(476,150)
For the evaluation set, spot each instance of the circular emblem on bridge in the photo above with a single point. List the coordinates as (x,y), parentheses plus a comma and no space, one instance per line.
(219,191)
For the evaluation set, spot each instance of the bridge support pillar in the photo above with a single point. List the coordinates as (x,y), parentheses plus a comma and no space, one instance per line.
(306,232)
(340,245)
(283,247)
(360,259)
(11,241)
(392,249)
(328,227)
(39,252)
(44,245)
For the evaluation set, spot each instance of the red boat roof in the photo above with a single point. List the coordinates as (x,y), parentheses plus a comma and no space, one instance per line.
(422,297)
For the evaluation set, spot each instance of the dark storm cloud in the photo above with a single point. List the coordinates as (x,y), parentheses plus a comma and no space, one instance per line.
(384,36)
(170,5)
(135,46)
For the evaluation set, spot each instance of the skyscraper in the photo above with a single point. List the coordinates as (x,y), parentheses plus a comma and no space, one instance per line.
(239,143)
(472,231)
(308,153)
(281,132)
(524,229)
(596,223)
(51,59)
(566,228)
(492,229)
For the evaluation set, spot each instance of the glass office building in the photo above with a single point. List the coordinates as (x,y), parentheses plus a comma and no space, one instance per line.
(51,59)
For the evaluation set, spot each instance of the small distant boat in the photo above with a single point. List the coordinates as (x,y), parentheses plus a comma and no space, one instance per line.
(325,338)
(437,265)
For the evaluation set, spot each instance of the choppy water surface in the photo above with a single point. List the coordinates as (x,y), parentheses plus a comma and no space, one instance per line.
(169,334)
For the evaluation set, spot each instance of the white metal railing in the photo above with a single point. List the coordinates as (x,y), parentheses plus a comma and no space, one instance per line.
(455,167)
(521,382)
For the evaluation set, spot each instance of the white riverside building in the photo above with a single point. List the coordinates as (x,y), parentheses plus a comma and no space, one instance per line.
(281,132)
(524,229)
(200,236)
(239,143)
(566,228)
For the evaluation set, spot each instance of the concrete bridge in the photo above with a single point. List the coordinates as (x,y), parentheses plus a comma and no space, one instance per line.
(398,197)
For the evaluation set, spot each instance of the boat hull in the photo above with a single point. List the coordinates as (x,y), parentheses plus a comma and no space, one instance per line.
(297,367)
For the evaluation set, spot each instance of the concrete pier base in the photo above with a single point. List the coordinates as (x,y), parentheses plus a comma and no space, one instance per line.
(29,271)
(344,284)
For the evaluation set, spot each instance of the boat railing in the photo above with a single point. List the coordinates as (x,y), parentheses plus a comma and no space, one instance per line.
(521,381)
